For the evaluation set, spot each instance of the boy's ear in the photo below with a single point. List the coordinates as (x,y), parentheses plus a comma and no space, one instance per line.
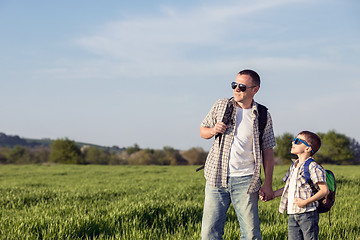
(308,149)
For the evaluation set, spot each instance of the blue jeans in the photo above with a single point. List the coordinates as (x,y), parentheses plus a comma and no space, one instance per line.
(303,226)
(217,202)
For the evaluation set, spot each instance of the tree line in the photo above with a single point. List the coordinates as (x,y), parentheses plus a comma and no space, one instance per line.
(66,151)
(336,149)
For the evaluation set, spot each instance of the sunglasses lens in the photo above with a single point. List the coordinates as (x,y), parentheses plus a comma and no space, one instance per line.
(233,85)
(296,141)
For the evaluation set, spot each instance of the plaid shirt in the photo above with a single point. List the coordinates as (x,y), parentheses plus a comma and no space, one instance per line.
(217,162)
(302,189)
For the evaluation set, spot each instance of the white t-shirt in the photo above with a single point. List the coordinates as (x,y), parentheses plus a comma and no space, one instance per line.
(242,162)
(292,189)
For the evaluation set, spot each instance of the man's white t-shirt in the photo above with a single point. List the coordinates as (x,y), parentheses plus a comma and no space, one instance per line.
(242,161)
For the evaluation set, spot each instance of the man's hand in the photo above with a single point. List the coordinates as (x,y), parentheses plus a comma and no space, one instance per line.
(208,133)
(266,193)
(220,127)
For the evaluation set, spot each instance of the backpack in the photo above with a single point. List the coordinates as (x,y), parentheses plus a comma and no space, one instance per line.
(227,119)
(328,201)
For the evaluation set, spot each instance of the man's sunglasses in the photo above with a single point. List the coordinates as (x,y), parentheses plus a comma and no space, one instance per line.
(298,141)
(242,87)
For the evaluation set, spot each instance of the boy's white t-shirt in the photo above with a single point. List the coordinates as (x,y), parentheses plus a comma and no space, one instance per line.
(242,162)
(291,192)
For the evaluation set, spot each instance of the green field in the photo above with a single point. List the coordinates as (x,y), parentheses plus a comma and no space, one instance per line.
(142,202)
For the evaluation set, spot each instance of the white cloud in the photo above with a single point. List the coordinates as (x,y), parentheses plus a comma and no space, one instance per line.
(157,38)
(160,46)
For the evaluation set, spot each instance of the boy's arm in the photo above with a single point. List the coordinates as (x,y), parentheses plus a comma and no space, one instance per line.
(278,192)
(319,195)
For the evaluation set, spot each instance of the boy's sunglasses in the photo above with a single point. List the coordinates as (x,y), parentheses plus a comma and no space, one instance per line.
(298,141)
(242,87)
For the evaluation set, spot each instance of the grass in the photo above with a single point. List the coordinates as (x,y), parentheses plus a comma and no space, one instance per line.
(141,202)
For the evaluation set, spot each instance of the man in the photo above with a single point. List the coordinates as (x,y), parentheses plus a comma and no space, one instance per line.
(232,168)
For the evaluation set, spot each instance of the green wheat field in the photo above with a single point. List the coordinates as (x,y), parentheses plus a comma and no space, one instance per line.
(142,202)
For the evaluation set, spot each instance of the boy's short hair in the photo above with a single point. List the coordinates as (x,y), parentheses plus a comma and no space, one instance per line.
(313,140)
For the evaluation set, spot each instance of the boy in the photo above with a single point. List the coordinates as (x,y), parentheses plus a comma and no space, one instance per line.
(297,197)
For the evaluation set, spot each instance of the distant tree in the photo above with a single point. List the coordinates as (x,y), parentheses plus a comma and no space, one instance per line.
(335,148)
(143,157)
(94,155)
(283,147)
(20,155)
(195,156)
(133,149)
(160,157)
(3,158)
(3,154)
(40,154)
(355,149)
(11,141)
(117,159)
(65,151)
(173,156)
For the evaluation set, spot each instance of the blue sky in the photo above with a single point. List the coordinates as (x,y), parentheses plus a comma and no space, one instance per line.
(147,72)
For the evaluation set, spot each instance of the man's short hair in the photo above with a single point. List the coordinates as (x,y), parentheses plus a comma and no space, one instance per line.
(312,139)
(254,76)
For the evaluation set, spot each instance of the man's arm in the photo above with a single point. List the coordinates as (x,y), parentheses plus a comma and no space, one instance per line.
(266,190)
(208,133)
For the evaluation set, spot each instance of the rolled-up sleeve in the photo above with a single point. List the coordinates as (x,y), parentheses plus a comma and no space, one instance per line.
(268,137)
(317,173)
(211,118)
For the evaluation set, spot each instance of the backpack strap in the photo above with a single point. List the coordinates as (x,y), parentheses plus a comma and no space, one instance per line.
(262,110)
(227,117)
(307,174)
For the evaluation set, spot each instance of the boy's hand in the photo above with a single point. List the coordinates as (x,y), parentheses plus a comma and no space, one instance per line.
(300,203)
